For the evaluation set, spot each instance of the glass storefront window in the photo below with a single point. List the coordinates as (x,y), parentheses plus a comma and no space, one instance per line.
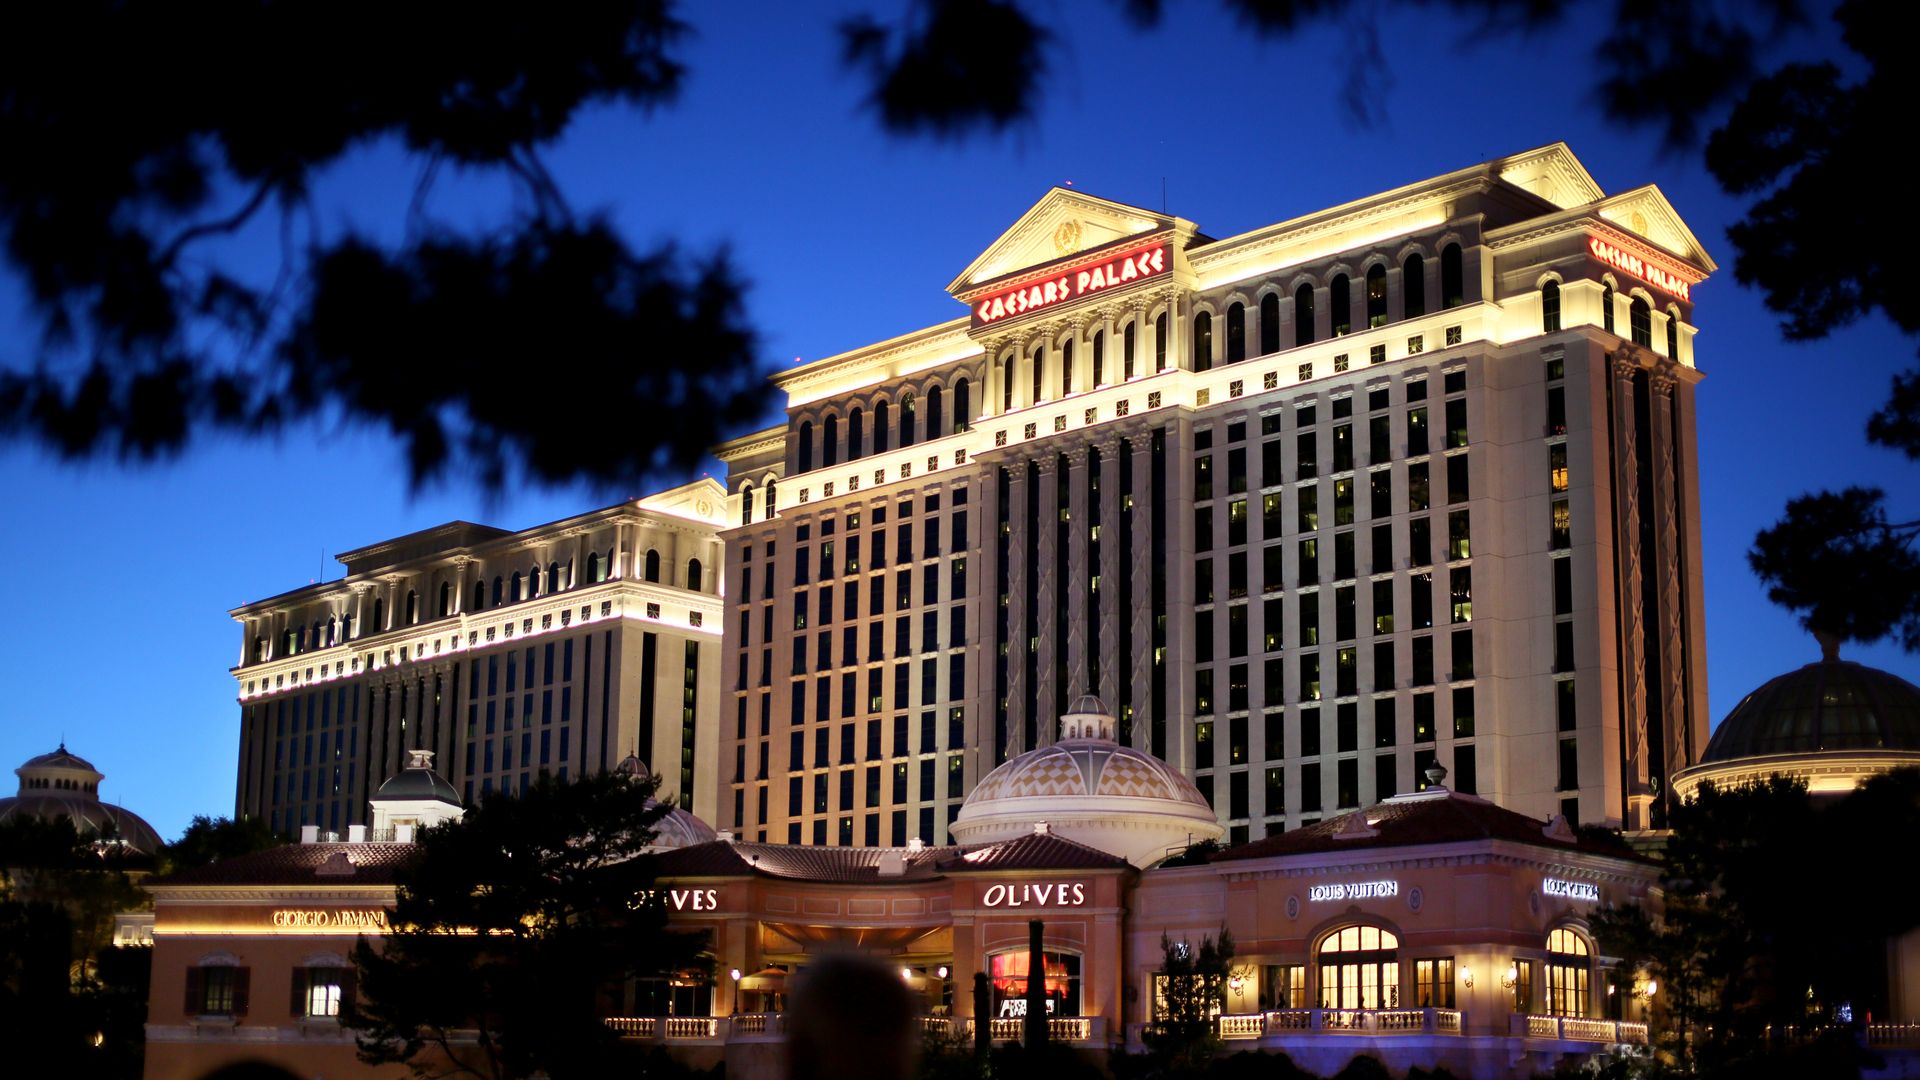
(1007,973)
(1284,986)
(1568,970)
(1360,969)
(1433,983)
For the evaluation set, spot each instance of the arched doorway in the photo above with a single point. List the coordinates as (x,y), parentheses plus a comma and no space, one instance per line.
(1359,969)
(1569,973)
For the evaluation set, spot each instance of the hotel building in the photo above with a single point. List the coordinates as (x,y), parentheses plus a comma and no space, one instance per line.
(561,648)
(1403,482)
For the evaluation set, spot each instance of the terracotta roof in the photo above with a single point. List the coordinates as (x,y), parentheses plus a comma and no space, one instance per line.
(1034,851)
(796,862)
(1435,816)
(303,864)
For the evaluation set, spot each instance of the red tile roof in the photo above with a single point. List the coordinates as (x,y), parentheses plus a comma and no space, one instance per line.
(1431,817)
(862,865)
(302,864)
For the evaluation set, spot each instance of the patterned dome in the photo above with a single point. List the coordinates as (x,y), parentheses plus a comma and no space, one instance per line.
(679,827)
(1090,788)
(63,784)
(1831,725)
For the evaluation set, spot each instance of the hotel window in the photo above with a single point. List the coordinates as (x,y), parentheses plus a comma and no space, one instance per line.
(1433,983)
(909,419)
(1568,971)
(1561,533)
(806,446)
(217,989)
(1640,319)
(1284,986)
(1269,323)
(1379,440)
(1380,493)
(1460,590)
(1465,775)
(1385,777)
(1453,280)
(1673,333)
(1126,353)
(830,442)
(1456,423)
(1340,301)
(1550,307)
(1359,969)
(1343,500)
(1160,342)
(1459,535)
(1522,975)
(1376,295)
(321,991)
(1564,704)
(1606,308)
(1343,446)
(1419,490)
(1557,466)
(1413,284)
(1236,333)
(1457,488)
(1303,315)
(1569,766)
(1383,606)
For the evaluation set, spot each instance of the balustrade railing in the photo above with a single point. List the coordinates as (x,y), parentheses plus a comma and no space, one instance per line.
(764,1026)
(1376,1021)
(1579,1029)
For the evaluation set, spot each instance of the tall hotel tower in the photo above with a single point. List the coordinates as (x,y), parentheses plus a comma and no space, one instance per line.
(1403,481)
(559,649)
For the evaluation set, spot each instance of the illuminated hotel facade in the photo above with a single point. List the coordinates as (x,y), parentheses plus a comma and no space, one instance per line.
(1406,481)
(557,649)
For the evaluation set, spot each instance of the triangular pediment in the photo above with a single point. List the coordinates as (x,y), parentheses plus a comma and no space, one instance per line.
(1063,223)
(1647,214)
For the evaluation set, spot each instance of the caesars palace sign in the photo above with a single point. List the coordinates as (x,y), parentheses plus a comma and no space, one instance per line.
(1638,267)
(1073,282)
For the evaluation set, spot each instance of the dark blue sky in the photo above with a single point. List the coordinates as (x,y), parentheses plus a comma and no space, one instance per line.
(121,577)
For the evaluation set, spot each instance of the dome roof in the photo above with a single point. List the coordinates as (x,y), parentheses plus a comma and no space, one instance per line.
(1829,705)
(62,784)
(1090,788)
(418,781)
(679,827)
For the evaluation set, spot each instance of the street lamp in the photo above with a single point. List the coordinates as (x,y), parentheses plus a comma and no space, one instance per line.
(736,988)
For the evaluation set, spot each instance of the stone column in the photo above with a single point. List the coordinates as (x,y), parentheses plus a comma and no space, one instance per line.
(1623,364)
(1141,562)
(1111,562)
(1078,572)
(1046,558)
(1017,571)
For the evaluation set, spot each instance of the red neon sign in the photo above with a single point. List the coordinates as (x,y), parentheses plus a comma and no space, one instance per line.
(1656,276)
(1072,283)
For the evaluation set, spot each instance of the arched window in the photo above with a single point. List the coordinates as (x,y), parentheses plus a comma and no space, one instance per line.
(1376,295)
(1066,367)
(746,503)
(1569,968)
(413,611)
(479,596)
(830,442)
(1126,351)
(962,405)
(1550,307)
(1606,308)
(1413,286)
(909,419)
(499,590)
(1453,280)
(1360,969)
(881,415)
(595,572)
(693,574)
(1640,316)
(856,432)
(333,625)
(1270,323)
(1007,974)
(652,565)
(1039,371)
(1673,333)
(1099,358)
(446,604)
(1160,342)
(1006,383)
(1202,341)
(1236,332)
(935,403)
(1340,305)
(533,581)
(379,614)
(1303,315)
(553,577)
(513,589)
(773,502)
(806,446)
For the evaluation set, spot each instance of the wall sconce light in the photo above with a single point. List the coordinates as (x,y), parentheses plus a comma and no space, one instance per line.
(1510,976)
(943,971)
(1466,977)
(906,973)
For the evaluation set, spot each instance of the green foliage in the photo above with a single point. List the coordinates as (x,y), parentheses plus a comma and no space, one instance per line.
(516,921)
(1775,918)
(1836,561)
(1195,854)
(1184,1038)
(210,839)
